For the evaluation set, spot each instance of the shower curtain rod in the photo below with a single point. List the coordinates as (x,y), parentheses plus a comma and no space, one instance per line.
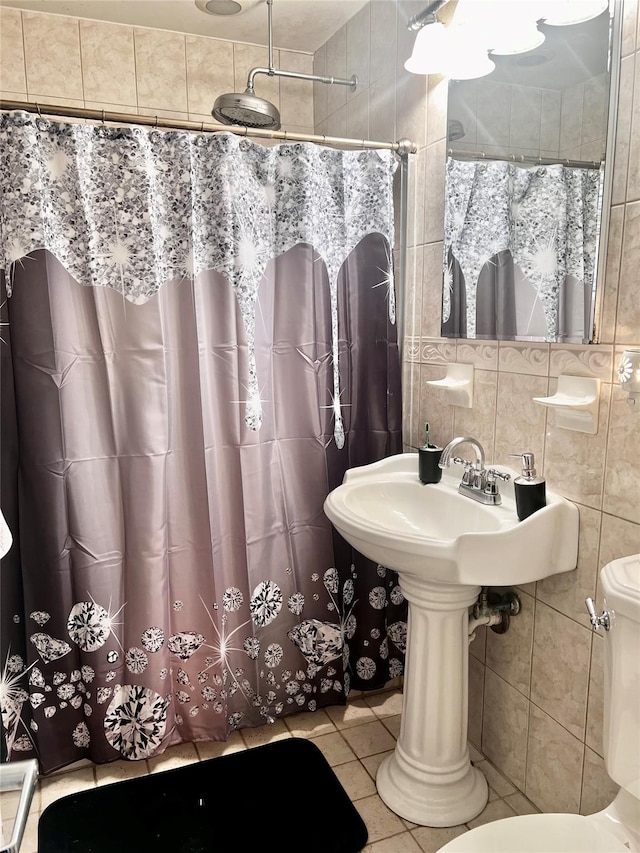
(520,158)
(402,147)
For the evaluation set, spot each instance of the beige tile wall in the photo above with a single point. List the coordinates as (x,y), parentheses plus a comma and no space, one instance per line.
(535,692)
(502,118)
(77,62)
(584,119)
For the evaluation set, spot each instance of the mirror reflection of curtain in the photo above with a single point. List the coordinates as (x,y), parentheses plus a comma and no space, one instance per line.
(200,342)
(520,250)
(455,325)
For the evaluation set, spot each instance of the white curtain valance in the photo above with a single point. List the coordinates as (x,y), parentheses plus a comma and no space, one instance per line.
(547,216)
(132,208)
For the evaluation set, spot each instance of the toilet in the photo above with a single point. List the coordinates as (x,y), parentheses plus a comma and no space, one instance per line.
(616,828)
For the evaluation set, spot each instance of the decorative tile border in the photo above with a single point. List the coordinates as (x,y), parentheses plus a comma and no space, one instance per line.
(576,360)
(411,350)
(483,354)
(517,357)
(437,350)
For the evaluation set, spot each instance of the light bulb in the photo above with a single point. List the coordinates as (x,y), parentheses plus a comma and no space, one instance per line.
(560,13)
(516,37)
(501,26)
(470,66)
(466,58)
(430,50)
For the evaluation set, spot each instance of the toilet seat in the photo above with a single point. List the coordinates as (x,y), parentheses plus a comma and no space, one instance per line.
(539,833)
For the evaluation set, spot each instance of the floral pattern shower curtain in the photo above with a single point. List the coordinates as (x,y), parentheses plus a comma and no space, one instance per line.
(200,340)
(520,250)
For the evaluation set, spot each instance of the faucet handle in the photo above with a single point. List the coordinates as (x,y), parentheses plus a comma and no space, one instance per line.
(491,486)
(459,461)
(493,475)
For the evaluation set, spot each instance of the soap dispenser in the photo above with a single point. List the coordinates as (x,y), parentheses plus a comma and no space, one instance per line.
(530,490)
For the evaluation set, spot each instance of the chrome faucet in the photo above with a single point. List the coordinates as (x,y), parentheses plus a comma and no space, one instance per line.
(478,482)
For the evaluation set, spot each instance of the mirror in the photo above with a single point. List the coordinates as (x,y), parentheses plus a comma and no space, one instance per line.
(528,188)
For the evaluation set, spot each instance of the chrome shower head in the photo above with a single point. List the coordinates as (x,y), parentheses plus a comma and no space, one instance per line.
(247,110)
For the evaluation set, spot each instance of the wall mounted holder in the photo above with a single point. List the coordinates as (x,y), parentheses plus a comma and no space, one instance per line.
(458,385)
(628,370)
(576,403)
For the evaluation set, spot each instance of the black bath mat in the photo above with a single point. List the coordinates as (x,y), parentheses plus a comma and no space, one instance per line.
(282,797)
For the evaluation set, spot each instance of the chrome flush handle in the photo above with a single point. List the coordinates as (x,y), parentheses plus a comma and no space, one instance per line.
(602,621)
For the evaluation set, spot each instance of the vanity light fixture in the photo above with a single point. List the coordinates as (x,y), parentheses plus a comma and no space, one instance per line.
(430,49)
(629,376)
(503,27)
(451,51)
(561,13)
(520,37)
(467,59)
(479,28)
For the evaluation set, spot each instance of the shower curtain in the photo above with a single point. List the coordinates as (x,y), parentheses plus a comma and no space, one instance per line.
(199,340)
(520,251)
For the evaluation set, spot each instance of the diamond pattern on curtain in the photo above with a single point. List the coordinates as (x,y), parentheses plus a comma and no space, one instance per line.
(173,576)
(520,250)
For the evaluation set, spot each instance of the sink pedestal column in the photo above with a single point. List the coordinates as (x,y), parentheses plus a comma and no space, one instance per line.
(429,779)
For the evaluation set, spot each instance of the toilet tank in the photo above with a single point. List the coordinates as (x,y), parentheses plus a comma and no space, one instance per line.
(620,584)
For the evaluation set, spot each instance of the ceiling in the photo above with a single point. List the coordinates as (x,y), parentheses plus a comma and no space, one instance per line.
(568,56)
(303,25)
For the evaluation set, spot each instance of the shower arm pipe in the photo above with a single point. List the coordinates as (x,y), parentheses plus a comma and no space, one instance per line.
(272,71)
(270,27)
(352,82)
(427,16)
(402,148)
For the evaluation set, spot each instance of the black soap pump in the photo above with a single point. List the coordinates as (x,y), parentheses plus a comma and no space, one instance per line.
(428,457)
(530,490)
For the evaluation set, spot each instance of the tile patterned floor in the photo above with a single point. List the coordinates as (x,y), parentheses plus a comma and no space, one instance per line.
(354,739)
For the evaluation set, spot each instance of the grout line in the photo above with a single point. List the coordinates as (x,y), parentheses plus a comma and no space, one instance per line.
(554,607)
(495,407)
(546,428)
(607,434)
(135,67)
(526,742)
(24,55)
(186,75)
(586,704)
(81,62)
(551,717)
(513,686)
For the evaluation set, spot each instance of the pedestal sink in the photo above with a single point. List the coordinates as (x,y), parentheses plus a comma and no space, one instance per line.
(445,547)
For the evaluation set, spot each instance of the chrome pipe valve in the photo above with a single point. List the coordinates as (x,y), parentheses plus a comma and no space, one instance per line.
(601,621)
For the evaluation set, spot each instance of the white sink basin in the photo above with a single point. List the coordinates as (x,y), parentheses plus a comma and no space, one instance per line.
(432,531)
(445,546)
